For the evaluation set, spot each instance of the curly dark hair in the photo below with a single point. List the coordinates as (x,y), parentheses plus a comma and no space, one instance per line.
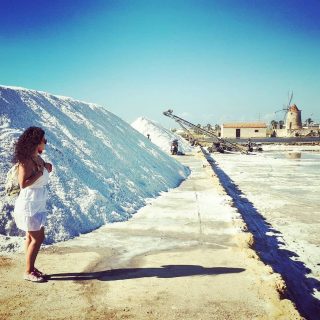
(25,145)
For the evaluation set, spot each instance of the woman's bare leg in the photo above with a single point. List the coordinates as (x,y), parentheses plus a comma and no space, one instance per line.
(27,242)
(36,239)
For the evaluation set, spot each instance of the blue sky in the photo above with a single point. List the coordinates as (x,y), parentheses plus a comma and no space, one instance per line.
(209,61)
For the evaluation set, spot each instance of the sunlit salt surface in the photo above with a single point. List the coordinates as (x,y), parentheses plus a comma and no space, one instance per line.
(284,187)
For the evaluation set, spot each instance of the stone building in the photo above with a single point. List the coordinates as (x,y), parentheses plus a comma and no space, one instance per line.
(293,119)
(244,130)
(293,126)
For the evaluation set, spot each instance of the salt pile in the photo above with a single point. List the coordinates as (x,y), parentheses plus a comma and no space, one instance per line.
(159,135)
(103,169)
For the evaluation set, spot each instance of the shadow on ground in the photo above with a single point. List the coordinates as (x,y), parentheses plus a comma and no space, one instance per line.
(167,271)
(269,247)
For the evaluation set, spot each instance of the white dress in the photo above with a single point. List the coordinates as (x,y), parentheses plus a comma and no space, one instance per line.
(30,208)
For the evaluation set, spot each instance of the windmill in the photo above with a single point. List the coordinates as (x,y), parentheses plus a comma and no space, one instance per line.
(286,107)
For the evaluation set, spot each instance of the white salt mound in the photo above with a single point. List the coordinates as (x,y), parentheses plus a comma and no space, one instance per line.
(103,169)
(159,135)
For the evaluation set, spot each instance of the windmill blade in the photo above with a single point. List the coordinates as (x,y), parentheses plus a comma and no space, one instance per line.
(290,98)
(285,116)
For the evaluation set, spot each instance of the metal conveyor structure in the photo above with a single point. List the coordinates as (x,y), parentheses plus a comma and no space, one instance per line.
(225,144)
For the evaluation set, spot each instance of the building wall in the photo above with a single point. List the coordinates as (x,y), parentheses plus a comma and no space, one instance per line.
(244,132)
(284,133)
(293,120)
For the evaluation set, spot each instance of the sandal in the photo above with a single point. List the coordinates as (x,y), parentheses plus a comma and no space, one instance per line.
(33,277)
(39,273)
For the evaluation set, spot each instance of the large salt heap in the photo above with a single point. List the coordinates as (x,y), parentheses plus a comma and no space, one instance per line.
(103,169)
(159,135)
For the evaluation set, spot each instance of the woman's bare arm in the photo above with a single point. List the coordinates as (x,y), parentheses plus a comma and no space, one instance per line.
(26,176)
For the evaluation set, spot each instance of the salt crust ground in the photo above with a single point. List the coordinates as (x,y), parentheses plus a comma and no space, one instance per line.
(183,256)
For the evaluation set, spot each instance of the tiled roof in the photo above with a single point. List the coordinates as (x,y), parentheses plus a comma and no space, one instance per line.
(244,125)
(294,108)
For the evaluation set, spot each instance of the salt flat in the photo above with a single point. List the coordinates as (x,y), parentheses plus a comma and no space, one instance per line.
(184,255)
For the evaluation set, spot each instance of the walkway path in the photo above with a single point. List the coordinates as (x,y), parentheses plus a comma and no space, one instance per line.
(183,256)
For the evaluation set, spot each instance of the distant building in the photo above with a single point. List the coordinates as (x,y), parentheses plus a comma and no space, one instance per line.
(244,130)
(293,119)
(293,126)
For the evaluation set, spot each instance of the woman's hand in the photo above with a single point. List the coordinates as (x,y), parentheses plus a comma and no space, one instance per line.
(40,166)
(48,166)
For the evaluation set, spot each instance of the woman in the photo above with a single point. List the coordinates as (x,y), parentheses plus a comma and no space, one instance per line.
(30,206)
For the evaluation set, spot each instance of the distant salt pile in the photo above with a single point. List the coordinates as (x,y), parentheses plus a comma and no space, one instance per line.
(159,135)
(103,169)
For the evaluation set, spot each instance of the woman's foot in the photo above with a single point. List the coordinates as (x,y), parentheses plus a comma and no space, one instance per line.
(40,273)
(33,277)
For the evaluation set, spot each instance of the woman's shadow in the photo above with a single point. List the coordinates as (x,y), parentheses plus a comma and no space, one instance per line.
(167,271)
